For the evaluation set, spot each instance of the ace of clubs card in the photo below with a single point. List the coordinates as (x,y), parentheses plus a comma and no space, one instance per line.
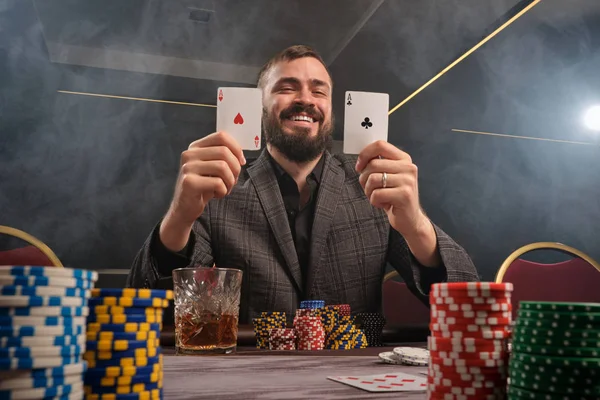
(365,120)
(239,113)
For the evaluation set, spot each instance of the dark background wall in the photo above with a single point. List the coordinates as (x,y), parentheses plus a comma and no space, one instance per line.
(91,176)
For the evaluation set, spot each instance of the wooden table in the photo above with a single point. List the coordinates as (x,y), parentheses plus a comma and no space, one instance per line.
(259,374)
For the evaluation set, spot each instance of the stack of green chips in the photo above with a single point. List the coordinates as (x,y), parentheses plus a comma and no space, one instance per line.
(556,351)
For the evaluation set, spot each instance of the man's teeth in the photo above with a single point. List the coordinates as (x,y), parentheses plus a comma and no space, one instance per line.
(301,118)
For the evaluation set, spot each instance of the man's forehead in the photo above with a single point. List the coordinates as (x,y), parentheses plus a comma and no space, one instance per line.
(302,70)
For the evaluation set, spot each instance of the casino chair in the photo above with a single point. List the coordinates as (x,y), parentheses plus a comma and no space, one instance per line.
(36,253)
(575,280)
(400,306)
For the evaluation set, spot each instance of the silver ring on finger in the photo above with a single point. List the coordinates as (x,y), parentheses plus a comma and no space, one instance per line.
(384,180)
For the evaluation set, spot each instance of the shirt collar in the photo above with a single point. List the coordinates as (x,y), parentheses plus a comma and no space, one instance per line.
(316,173)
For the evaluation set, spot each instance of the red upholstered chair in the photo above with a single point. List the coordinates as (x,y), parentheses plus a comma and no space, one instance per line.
(575,280)
(400,306)
(36,253)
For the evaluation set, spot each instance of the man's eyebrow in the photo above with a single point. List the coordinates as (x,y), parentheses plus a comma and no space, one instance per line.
(296,81)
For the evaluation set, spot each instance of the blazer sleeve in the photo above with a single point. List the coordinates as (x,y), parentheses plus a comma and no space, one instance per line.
(154,263)
(456,266)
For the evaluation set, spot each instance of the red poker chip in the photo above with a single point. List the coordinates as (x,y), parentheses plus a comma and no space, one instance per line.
(449,382)
(495,307)
(473,285)
(447,396)
(467,300)
(436,326)
(452,362)
(468,373)
(466,390)
(435,313)
(481,355)
(448,343)
(454,376)
(493,321)
(494,334)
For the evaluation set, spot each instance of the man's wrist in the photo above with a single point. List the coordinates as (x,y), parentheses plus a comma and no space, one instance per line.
(423,243)
(174,233)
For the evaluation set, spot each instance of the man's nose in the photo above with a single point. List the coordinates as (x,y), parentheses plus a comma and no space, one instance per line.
(305,97)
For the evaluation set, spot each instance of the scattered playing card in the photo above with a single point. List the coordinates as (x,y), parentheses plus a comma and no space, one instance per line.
(365,120)
(239,113)
(391,382)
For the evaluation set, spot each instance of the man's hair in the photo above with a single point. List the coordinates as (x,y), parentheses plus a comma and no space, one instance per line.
(291,53)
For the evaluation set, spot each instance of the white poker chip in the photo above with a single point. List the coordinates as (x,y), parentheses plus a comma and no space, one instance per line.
(412,355)
(47,351)
(42,321)
(46,311)
(42,393)
(389,357)
(37,362)
(21,331)
(41,301)
(30,383)
(26,270)
(9,280)
(16,290)
(41,341)
(41,374)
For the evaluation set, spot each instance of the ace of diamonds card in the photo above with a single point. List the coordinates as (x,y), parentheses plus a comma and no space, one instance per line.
(239,113)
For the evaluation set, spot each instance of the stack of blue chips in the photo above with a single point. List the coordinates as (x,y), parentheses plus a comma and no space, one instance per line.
(123,344)
(312,304)
(42,331)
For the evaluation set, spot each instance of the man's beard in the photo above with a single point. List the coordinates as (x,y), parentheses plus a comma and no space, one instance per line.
(298,146)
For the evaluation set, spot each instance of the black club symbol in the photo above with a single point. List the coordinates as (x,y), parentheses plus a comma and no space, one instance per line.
(366,123)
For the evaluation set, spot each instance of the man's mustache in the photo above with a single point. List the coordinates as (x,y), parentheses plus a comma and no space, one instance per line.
(310,111)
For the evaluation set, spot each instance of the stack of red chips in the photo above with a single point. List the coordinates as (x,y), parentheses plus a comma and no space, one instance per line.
(342,309)
(310,334)
(470,325)
(282,339)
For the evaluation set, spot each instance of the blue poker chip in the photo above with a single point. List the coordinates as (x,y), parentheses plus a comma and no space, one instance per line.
(40,301)
(42,321)
(96,389)
(119,345)
(312,304)
(148,394)
(114,371)
(121,380)
(124,318)
(45,311)
(134,293)
(20,383)
(9,280)
(144,352)
(43,291)
(125,362)
(45,351)
(20,331)
(47,372)
(37,362)
(28,270)
(40,341)
(41,393)
(107,335)
(128,327)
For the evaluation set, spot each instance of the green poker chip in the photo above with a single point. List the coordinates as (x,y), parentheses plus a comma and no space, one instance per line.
(536,379)
(551,388)
(554,325)
(554,361)
(548,372)
(539,337)
(562,317)
(557,351)
(559,306)
(515,392)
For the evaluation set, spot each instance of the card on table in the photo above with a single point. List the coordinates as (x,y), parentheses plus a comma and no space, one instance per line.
(239,113)
(391,382)
(365,119)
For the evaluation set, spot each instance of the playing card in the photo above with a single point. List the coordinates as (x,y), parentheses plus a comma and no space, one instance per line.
(365,120)
(239,113)
(391,382)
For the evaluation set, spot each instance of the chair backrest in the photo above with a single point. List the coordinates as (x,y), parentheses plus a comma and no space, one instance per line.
(575,280)
(400,306)
(37,253)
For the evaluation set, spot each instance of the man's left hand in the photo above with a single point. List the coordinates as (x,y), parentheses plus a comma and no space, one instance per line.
(400,196)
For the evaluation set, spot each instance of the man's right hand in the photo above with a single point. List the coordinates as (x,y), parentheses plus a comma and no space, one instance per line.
(210,167)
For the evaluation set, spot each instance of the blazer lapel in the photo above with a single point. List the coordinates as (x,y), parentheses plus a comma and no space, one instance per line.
(329,193)
(265,182)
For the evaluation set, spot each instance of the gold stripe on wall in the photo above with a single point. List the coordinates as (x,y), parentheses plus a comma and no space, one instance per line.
(524,137)
(109,96)
(468,53)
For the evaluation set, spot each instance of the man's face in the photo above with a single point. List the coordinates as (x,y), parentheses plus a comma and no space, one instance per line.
(297,112)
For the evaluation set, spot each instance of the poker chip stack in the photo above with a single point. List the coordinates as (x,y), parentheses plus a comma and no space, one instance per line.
(282,339)
(42,331)
(310,334)
(556,351)
(312,304)
(470,322)
(264,325)
(123,343)
(372,325)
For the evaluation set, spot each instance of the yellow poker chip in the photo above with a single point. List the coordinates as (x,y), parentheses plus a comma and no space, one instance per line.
(123,389)
(127,327)
(129,336)
(103,309)
(123,362)
(117,371)
(109,355)
(134,293)
(128,380)
(124,318)
(128,302)
(146,395)
(121,345)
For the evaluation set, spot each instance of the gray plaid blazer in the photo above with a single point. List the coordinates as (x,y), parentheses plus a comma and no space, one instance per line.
(351,244)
